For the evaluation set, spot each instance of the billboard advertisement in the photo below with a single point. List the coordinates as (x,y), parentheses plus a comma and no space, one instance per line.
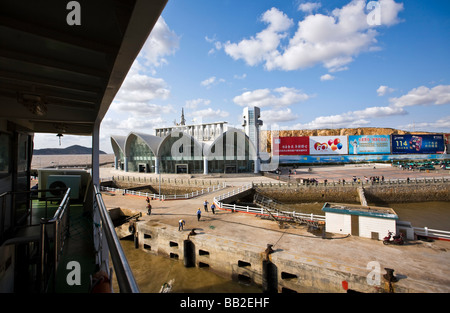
(415,144)
(369,144)
(328,145)
(291,145)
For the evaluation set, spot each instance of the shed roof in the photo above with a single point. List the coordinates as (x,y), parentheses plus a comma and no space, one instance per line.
(354,209)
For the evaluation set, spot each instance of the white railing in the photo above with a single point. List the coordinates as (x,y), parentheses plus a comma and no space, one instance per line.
(234,192)
(258,210)
(292,182)
(432,233)
(188,195)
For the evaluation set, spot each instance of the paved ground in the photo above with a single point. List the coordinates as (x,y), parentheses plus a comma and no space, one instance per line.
(418,264)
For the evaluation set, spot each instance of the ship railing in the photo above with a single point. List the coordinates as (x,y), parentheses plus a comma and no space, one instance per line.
(107,244)
(53,234)
(48,235)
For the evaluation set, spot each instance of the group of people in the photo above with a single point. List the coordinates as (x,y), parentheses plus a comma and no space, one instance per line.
(182,222)
(373,179)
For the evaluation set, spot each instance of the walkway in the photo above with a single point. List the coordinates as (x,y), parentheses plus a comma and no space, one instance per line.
(423,266)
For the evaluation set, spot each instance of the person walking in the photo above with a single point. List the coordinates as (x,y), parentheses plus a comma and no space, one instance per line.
(149,209)
(205,205)
(181,224)
(199,214)
(213,207)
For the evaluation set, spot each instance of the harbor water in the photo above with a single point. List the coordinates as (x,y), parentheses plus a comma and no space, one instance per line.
(152,271)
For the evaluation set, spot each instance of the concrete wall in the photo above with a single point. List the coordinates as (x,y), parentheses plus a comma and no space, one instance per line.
(293,194)
(412,192)
(338,223)
(379,194)
(280,272)
(341,224)
(382,226)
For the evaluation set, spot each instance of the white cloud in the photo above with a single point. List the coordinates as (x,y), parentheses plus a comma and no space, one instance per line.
(208,113)
(279,97)
(142,108)
(194,103)
(161,42)
(326,77)
(422,95)
(384,90)
(439,95)
(217,44)
(243,76)
(353,118)
(138,87)
(135,123)
(438,125)
(258,48)
(211,81)
(309,7)
(208,81)
(270,117)
(333,40)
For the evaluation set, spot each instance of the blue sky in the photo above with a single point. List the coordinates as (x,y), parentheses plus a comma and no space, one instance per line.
(305,63)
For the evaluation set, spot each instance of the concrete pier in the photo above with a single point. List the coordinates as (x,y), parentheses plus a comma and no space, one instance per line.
(234,244)
(362,196)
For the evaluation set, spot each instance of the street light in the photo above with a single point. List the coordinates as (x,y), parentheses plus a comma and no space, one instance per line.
(159,194)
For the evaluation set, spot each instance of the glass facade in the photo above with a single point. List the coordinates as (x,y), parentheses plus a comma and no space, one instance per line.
(180,154)
(140,157)
(231,153)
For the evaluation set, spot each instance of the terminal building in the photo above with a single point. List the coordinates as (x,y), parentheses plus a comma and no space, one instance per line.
(218,148)
(195,149)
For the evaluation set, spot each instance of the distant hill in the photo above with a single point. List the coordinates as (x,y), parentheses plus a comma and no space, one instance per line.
(75,149)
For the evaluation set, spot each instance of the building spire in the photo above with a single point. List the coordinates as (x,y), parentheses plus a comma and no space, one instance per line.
(183,121)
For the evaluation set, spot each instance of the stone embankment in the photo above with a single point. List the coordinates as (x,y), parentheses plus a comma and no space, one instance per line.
(377,193)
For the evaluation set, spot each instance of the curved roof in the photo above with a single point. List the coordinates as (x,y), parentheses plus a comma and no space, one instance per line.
(252,148)
(153,142)
(118,144)
(165,139)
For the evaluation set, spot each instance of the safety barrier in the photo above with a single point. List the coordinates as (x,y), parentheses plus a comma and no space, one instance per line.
(188,195)
(257,210)
(283,182)
(432,233)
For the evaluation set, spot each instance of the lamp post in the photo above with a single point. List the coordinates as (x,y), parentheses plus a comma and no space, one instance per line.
(159,194)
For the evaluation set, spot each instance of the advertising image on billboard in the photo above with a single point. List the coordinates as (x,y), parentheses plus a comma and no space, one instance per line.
(415,144)
(369,144)
(328,145)
(291,145)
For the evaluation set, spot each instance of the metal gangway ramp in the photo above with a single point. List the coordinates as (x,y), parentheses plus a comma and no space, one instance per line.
(274,210)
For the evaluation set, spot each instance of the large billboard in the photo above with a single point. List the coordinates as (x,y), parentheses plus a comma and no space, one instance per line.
(369,144)
(411,144)
(328,145)
(291,145)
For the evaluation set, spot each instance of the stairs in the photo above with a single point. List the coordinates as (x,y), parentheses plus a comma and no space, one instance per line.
(274,212)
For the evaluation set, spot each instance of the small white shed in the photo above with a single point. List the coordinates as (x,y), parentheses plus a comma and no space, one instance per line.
(357,220)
